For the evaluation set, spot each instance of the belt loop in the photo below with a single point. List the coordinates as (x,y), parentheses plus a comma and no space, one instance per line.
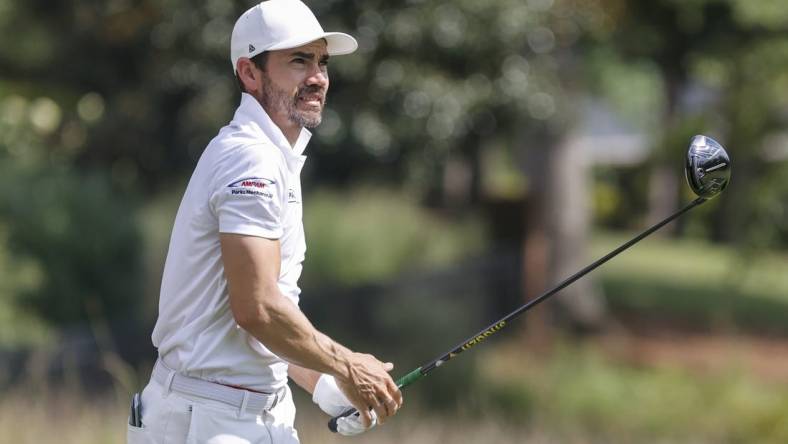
(168,383)
(244,402)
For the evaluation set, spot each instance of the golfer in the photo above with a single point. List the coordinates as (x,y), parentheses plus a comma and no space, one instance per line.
(229,331)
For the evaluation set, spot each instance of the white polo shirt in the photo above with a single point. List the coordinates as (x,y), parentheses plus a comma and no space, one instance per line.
(247,181)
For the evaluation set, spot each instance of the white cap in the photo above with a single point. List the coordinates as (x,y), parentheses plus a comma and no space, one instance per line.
(282,24)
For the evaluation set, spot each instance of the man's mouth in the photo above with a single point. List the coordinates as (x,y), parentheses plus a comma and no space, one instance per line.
(311,99)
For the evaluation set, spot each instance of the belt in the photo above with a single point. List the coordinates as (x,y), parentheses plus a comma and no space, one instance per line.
(242,399)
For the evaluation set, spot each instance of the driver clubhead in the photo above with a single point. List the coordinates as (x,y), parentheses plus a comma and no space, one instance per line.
(708,167)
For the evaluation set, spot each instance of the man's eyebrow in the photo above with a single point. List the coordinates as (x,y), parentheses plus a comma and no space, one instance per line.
(303,55)
(308,55)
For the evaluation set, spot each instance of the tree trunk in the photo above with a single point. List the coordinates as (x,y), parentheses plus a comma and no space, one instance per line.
(664,179)
(557,224)
(568,221)
(663,194)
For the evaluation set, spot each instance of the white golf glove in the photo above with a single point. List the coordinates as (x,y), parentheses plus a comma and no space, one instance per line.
(332,401)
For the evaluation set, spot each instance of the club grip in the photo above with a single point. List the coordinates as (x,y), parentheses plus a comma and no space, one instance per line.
(402,382)
(332,423)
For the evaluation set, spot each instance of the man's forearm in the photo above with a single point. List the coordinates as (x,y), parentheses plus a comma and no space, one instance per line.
(252,268)
(286,331)
(305,378)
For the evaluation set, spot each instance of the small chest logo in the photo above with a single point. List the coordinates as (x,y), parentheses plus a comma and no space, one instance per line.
(291,196)
(252,186)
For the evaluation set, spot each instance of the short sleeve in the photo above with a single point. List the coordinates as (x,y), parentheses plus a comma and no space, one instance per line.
(248,196)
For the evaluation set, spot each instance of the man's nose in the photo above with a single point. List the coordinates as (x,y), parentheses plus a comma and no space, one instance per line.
(318,77)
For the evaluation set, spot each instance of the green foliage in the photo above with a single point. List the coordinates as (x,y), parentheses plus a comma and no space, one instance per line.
(69,236)
(444,78)
(136,90)
(771,14)
(370,235)
(81,237)
(18,277)
(578,389)
(711,287)
(699,56)
(635,89)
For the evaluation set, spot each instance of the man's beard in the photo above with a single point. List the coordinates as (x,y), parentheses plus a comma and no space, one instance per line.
(274,98)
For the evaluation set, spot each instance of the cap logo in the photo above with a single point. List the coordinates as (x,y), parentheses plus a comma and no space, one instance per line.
(251,48)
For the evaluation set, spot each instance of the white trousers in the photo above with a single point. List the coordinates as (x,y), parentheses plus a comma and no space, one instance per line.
(169,417)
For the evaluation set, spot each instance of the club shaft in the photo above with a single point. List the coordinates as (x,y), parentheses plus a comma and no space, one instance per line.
(501,323)
(498,325)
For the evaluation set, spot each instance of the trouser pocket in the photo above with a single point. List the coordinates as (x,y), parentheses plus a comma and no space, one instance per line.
(136,435)
(166,417)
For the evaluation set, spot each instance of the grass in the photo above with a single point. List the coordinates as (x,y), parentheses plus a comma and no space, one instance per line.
(575,393)
(705,286)
(577,388)
(31,416)
(694,262)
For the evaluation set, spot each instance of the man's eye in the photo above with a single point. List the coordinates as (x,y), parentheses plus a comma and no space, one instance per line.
(324,63)
(300,61)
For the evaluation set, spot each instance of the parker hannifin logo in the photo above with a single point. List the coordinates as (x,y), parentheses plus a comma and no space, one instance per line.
(291,196)
(252,186)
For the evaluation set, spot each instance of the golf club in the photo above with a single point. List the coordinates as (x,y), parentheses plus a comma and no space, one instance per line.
(708,170)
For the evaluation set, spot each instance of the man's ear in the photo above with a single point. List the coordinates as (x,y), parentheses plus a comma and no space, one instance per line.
(247,73)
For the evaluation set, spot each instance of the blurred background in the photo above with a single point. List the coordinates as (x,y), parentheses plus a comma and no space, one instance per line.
(473,153)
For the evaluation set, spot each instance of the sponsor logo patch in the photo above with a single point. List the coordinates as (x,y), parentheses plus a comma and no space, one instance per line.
(252,186)
(251,48)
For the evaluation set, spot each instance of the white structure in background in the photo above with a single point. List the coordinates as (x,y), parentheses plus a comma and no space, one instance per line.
(604,139)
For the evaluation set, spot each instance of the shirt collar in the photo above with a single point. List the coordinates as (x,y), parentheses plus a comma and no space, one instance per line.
(251,112)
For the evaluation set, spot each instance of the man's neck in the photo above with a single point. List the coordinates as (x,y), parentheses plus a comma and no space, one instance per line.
(291,134)
(290,130)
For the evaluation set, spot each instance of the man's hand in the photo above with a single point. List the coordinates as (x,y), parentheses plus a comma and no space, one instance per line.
(332,401)
(369,386)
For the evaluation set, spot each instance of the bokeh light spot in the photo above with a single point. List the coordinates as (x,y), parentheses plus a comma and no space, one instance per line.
(45,115)
(90,107)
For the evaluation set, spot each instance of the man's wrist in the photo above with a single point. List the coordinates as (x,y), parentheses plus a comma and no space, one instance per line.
(343,370)
(340,360)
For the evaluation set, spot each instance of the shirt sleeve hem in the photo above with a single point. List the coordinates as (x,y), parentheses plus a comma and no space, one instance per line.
(252,230)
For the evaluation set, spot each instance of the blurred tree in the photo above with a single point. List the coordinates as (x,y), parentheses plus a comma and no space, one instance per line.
(750,70)
(70,232)
(446,82)
(136,89)
(721,65)
(82,237)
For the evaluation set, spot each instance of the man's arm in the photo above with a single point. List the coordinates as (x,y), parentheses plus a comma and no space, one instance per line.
(252,268)
(304,377)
